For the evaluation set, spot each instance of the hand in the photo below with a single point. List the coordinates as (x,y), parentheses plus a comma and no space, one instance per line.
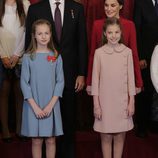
(97,112)
(6,62)
(14,60)
(80,83)
(39,112)
(130,107)
(88,89)
(143,64)
(47,110)
(138,90)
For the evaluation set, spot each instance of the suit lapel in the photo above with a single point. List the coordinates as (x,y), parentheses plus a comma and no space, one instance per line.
(66,21)
(67,11)
(51,20)
(151,7)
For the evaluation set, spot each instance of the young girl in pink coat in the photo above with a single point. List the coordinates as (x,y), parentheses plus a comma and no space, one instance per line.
(113,89)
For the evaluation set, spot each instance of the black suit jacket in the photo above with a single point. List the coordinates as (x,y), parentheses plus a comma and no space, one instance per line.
(146,22)
(73,43)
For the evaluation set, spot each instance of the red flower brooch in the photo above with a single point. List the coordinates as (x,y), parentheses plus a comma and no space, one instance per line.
(51,58)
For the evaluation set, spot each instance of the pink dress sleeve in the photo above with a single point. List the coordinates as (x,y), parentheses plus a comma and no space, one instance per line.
(131,80)
(91,55)
(95,75)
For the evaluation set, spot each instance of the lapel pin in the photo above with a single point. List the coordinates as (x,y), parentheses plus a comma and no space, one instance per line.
(72,14)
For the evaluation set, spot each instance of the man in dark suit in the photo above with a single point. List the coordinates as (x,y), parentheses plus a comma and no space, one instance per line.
(146,21)
(72,46)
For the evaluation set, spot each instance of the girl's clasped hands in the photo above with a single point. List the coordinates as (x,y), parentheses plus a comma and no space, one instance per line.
(42,113)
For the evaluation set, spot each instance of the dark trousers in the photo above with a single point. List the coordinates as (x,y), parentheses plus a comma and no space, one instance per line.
(142,111)
(143,102)
(10,87)
(65,143)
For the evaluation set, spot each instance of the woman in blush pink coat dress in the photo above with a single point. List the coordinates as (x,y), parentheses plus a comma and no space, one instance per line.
(113,89)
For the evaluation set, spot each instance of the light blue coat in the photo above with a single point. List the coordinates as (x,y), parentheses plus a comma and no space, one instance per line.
(41,80)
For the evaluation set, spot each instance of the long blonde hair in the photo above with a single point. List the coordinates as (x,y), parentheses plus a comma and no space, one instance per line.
(33,44)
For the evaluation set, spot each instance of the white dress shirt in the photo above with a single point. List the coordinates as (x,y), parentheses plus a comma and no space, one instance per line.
(154,68)
(153,2)
(61,7)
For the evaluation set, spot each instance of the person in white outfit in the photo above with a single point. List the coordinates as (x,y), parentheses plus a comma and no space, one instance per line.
(12,35)
(154,68)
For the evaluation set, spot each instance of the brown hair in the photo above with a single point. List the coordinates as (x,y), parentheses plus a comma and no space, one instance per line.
(121,2)
(20,11)
(108,22)
(33,44)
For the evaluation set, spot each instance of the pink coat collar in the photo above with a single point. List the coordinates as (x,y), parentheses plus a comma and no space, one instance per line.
(111,50)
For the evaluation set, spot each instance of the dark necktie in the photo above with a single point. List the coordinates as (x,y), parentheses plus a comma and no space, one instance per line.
(156,7)
(58,23)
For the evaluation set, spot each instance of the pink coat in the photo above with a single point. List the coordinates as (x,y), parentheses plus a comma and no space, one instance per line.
(113,81)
